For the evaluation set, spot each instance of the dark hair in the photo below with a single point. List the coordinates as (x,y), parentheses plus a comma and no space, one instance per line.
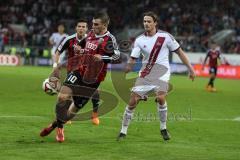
(61,24)
(151,14)
(103,16)
(82,21)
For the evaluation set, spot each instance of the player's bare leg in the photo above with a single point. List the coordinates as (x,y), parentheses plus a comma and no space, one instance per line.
(210,82)
(72,111)
(64,100)
(95,103)
(128,114)
(213,77)
(68,112)
(162,111)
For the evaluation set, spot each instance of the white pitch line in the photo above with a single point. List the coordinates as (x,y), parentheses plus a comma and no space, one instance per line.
(141,119)
(18,116)
(237,119)
(213,119)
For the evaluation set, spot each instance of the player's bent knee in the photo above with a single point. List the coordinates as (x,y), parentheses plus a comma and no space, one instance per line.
(161,99)
(134,100)
(63,97)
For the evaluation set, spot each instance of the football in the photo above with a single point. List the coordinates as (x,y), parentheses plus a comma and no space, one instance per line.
(51,85)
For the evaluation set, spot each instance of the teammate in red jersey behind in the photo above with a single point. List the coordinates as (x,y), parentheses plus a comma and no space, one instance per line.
(213,55)
(100,49)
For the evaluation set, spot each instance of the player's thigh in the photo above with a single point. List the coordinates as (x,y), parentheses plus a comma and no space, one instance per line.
(161,91)
(142,88)
(79,87)
(72,82)
(65,93)
(134,99)
(212,75)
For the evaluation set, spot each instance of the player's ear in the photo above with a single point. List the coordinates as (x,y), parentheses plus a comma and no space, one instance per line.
(106,24)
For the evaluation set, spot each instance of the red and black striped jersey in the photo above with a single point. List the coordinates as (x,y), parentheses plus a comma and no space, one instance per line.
(105,45)
(213,56)
(72,55)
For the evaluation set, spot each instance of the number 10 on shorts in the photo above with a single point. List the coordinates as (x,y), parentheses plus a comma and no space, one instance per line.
(72,78)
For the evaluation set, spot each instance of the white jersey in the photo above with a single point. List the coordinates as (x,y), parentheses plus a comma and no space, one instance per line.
(57,39)
(155,50)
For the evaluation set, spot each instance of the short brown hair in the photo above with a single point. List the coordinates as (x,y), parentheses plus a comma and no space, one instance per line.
(82,21)
(151,14)
(103,16)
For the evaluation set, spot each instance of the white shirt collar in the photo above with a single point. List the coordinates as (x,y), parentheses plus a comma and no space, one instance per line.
(82,37)
(100,36)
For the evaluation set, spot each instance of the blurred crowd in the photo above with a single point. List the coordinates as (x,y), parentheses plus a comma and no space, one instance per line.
(193,23)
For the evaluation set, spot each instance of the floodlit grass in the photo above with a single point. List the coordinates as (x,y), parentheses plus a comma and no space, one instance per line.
(201,124)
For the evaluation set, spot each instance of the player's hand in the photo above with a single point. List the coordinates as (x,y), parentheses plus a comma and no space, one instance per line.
(56,72)
(127,69)
(98,57)
(77,48)
(192,74)
(55,65)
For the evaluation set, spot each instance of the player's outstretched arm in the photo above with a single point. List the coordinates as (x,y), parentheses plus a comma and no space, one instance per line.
(51,42)
(56,59)
(130,64)
(56,66)
(55,72)
(114,59)
(185,60)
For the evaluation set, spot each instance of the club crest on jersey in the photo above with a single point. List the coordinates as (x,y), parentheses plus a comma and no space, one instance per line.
(92,46)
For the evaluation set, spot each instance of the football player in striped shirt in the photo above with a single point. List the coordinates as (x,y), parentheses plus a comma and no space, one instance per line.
(214,56)
(87,72)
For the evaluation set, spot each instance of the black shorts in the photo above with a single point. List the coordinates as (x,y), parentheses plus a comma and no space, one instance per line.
(213,70)
(80,87)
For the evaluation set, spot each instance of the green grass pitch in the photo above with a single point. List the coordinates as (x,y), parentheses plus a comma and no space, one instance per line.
(203,125)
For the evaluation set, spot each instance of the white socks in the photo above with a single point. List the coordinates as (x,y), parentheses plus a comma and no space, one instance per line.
(127,116)
(162,111)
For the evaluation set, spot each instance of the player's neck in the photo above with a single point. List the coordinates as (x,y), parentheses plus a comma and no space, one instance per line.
(80,36)
(151,33)
(102,32)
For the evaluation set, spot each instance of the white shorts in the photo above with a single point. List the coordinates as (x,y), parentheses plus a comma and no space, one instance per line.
(143,87)
(156,80)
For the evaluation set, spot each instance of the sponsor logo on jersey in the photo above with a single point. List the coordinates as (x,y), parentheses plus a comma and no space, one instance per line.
(90,45)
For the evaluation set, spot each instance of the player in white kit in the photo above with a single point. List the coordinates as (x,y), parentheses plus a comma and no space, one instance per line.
(55,39)
(155,46)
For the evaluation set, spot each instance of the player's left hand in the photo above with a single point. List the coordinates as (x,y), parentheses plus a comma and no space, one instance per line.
(192,74)
(98,57)
(127,69)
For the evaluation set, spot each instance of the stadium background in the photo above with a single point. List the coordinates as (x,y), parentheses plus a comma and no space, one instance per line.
(203,125)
